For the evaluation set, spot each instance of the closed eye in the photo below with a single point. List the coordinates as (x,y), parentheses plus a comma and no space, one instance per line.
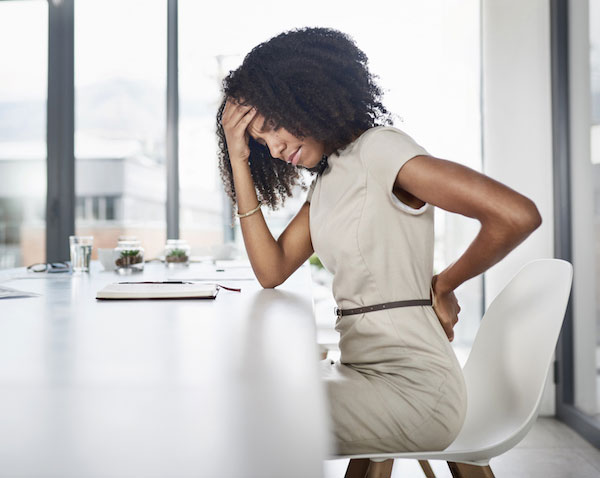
(268,125)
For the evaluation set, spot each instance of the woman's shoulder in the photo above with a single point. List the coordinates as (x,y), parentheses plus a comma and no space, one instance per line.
(365,137)
(382,132)
(386,139)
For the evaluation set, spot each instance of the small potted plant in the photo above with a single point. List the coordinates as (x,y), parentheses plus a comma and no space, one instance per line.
(177,252)
(177,256)
(130,256)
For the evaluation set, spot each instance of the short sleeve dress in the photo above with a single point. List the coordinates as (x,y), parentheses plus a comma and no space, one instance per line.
(398,385)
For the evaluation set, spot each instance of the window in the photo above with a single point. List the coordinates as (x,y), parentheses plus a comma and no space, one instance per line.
(578,397)
(594,16)
(23,90)
(202,65)
(120,110)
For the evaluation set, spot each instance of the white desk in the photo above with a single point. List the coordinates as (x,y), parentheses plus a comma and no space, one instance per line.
(223,388)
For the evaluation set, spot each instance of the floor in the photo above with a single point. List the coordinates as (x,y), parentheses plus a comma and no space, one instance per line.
(551,450)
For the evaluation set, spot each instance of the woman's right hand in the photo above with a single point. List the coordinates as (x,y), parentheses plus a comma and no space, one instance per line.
(235,120)
(445,306)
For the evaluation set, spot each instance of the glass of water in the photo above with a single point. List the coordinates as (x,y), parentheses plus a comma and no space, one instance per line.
(81,252)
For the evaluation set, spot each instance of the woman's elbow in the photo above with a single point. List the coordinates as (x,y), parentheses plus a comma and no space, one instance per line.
(269,282)
(533,218)
(526,218)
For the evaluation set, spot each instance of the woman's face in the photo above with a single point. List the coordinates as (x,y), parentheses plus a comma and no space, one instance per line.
(284,145)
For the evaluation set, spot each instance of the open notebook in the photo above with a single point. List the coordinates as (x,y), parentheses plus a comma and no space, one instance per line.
(158,290)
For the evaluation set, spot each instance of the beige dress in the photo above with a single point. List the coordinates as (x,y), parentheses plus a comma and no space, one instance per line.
(398,385)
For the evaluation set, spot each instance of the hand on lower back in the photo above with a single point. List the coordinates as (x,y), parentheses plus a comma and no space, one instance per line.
(446,308)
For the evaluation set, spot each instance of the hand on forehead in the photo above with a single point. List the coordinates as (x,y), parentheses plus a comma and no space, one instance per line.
(259,124)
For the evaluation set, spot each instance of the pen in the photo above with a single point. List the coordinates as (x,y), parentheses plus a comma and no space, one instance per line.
(158,282)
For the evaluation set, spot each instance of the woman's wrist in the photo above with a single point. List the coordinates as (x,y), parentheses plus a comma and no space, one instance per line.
(239,163)
(440,284)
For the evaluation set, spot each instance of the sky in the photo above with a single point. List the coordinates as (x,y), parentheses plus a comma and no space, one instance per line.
(23,69)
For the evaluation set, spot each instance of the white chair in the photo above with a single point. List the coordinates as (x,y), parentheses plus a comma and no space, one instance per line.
(505,374)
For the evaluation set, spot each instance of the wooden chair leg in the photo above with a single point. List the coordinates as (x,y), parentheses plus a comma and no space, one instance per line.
(426,467)
(357,468)
(380,469)
(464,470)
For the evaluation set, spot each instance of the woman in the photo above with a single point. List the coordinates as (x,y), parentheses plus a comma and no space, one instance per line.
(306,99)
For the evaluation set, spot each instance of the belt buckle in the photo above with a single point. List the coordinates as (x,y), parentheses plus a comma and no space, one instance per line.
(337,311)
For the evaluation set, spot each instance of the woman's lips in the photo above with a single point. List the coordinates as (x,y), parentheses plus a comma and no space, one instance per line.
(295,157)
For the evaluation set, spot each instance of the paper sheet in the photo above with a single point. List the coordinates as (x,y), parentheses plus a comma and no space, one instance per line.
(8,293)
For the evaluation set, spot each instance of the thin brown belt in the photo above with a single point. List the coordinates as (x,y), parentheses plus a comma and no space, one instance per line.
(387,305)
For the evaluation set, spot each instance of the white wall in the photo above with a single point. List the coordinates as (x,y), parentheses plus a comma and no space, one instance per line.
(517,125)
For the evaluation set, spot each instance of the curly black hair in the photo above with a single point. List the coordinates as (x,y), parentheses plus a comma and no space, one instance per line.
(314,82)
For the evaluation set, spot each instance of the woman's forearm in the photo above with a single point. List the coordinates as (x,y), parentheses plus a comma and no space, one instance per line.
(263,251)
(496,238)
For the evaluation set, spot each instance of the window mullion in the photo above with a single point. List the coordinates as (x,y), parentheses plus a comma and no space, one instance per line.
(172,123)
(60,130)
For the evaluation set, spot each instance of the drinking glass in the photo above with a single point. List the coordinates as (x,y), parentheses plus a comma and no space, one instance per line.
(81,252)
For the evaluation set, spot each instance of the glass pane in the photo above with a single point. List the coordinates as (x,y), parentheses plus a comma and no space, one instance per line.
(120,111)
(594,16)
(585,210)
(23,91)
(201,199)
(427,57)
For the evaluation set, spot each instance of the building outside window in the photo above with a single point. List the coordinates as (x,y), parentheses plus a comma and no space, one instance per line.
(23,90)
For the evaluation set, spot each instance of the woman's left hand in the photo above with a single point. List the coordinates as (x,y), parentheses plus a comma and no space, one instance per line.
(445,306)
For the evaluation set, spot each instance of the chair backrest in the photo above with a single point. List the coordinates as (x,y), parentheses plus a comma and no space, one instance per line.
(508,364)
